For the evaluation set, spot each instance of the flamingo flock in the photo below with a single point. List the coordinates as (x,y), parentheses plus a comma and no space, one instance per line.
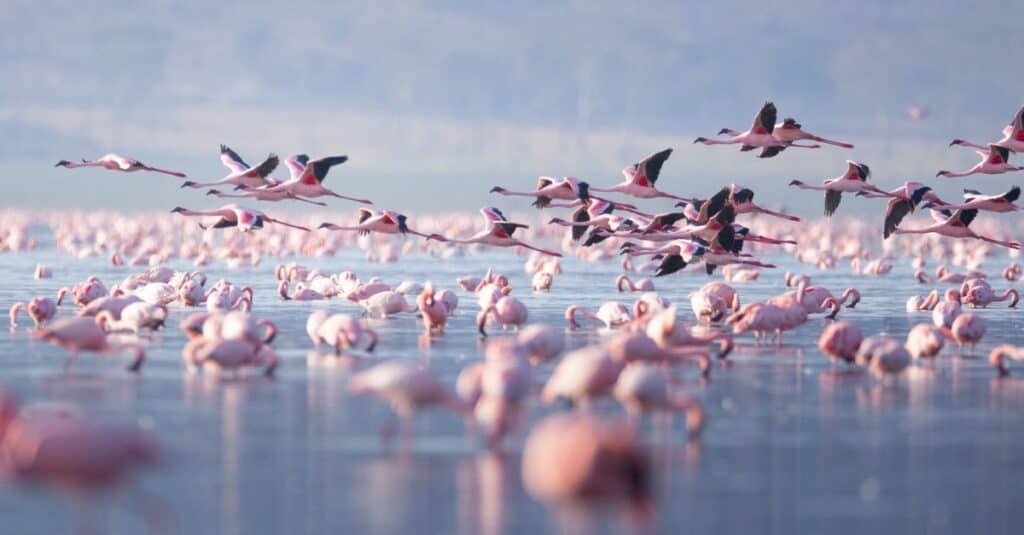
(644,350)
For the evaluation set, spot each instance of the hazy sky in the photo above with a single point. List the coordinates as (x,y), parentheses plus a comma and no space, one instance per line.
(435,102)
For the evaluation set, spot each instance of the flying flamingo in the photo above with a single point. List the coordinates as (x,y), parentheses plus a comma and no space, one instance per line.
(854,180)
(566,189)
(1013,135)
(262,193)
(758,136)
(1001,203)
(742,200)
(596,215)
(995,161)
(790,131)
(383,222)
(641,178)
(902,201)
(242,174)
(233,215)
(308,176)
(498,233)
(115,162)
(83,334)
(956,224)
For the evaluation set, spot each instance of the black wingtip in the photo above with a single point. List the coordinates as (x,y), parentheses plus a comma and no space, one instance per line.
(62,163)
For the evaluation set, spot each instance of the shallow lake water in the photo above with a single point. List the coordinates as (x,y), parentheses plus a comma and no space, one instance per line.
(793,444)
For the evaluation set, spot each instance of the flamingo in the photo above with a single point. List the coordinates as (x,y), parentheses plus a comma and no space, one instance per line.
(568,189)
(307,178)
(242,174)
(884,356)
(1013,135)
(263,193)
(840,341)
(641,178)
(995,161)
(790,131)
(233,215)
(916,303)
(742,199)
(228,355)
(407,388)
(643,387)
(433,311)
(83,334)
(383,222)
(40,309)
(596,215)
(611,314)
(713,301)
(570,458)
(999,355)
(903,201)
(924,341)
(542,342)
(134,317)
(301,293)
(758,136)
(71,452)
(506,311)
(967,329)
(499,232)
(339,331)
(946,311)
(1001,203)
(624,283)
(956,224)
(979,294)
(854,180)
(116,162)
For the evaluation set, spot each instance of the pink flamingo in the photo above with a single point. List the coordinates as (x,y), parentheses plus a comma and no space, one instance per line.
(884,356)
(570,458)
(433,311)
(40,309)
(979,294)
(624,283)
(542,342)
(566,189)
(242,174)
(228,355)
(855,180)
(339,331)
(967,329)
(641,178)
(383,222)
(506,311)
(611,314)
(115,162)
(758,136)
(302,293)
(840,341)
(83,334)
(1013,135)
(643,387)
(71,452)
(946,311)
(134,317)
(499,233)
(407,388)
(998,357)
(995,161)
(232,215)
(924,341)
(1000,204)
(583,375)
(742,200)
(956,224)
(308,176)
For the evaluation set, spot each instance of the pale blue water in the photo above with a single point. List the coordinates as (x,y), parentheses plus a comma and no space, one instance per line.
(790,447)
